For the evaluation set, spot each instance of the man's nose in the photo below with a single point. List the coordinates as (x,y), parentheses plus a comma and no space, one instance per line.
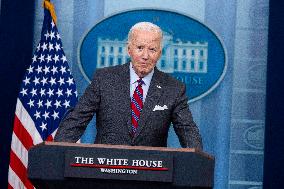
(145,54)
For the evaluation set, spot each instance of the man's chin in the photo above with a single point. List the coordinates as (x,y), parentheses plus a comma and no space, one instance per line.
(143,73)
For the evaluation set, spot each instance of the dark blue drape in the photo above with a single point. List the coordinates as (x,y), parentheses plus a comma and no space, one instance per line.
(274,130)
(16,44)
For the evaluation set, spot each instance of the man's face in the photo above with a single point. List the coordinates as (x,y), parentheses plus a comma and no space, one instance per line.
(144,50)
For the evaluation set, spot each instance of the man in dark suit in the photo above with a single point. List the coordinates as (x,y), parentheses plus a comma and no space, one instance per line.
(135,103)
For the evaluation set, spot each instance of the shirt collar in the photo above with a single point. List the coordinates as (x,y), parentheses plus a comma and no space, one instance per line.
(134,77)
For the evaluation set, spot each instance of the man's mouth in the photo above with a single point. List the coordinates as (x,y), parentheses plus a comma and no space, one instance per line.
(143,63)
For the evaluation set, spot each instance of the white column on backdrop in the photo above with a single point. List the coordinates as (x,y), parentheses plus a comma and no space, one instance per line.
(249,93)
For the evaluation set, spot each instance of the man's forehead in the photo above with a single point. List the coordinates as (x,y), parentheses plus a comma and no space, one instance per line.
(138,42)
(144,32)
(145,37)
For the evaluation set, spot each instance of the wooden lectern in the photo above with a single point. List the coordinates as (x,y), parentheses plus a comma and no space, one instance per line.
(68,165)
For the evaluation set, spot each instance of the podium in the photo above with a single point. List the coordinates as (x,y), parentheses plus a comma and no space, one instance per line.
(55,165)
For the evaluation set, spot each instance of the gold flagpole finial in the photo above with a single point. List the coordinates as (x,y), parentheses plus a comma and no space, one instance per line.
(49,6)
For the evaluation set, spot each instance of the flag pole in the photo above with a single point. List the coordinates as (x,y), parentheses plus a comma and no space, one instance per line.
(49,6)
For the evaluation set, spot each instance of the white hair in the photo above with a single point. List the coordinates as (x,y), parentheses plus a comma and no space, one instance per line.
(145,26)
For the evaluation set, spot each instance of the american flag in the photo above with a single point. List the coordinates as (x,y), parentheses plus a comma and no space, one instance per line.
(47,91)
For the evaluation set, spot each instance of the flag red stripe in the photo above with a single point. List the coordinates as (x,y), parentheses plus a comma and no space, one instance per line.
(49,138)
(19,168)
(22,134)
(10,187)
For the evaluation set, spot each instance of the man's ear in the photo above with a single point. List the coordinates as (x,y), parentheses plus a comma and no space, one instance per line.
(160,52)
(128,49)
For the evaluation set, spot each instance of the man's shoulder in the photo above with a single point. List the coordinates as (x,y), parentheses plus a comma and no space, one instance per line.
(169,80)
(111,71)
(112,68)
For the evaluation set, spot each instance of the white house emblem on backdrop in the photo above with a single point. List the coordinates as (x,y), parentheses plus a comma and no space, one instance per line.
(192,52)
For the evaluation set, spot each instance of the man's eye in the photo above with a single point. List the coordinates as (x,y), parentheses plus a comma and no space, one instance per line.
(139,47)
(153,50)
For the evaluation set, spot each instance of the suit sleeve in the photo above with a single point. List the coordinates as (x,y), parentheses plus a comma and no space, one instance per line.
(184,126)
(74,124)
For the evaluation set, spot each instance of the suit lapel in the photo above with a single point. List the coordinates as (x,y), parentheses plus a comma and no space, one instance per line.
(123,84)
(153,95)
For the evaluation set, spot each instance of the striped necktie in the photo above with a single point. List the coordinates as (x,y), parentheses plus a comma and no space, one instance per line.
(136,105)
